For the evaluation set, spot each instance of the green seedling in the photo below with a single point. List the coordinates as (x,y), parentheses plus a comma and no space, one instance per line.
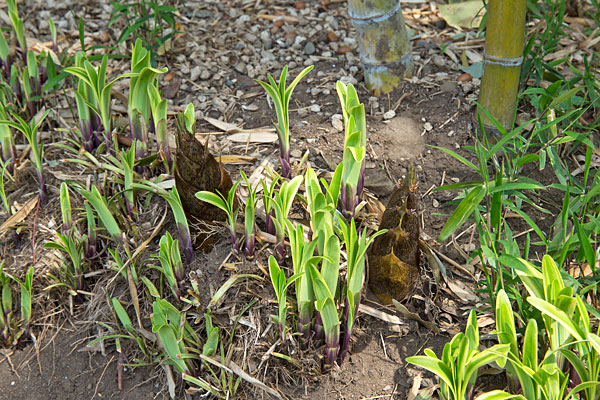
(150,21)
(282,204)
(281,100)
(65,207)
(30,131)
(52,28)
(5,59)
(159,116)
(355,141)
(171,264)
(91,241)
(172,197)
(249,218)
(173,331)
(302,258)
(12,328)
(281,285)
(100,205)
(460,362)
(7,144)
(268,196)
(4,174)
(226,204)
(322,207)
(72,267)
(99,91)
(18,26)
(356,249)
(325,304)
(144,79)
(90,124)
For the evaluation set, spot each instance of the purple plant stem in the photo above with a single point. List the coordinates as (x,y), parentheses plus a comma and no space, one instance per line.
(43,193)
(319,331)
(250,247)
(345,332)
(286,169)
(270,225)
(186,241)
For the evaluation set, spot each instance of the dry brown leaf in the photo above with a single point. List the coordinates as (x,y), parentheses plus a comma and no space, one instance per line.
(235,159)
(224,126)
(463,293)
(373,312)
(19,216)
(253,137)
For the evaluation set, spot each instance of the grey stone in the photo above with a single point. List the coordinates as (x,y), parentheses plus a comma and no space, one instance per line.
(309,48)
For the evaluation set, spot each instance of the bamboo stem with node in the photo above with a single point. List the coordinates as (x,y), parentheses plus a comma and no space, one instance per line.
(503,56)
(385,51)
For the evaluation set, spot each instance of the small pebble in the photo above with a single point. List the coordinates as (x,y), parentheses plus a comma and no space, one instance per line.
(315,108)
(343,49)
(331,37)
(464,78)
(389,114)
(435,203)
(428,127)
(309,48)
(337,123)
(195,73)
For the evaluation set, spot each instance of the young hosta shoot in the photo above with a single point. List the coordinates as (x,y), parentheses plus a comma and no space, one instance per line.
(172,266)
(170,326)
(302,258)
(460,362)
(159,115)
(26,291)
(30,131)
(32,83)
(356,248)
(5,60)
(99,203)
(18,26)
(72,268)
(226,204)
(212,337)
(7,145)
(90,124)
(99,92)
(355,142)
(90,242)
(321,207)
(280,284)
(52,28)
(65,207)
(281,100)
(6,308)
(282,203)
(325,305)
(143,77)
(268,195)
(172,197)
(12,329)
(249,218)
(3,174)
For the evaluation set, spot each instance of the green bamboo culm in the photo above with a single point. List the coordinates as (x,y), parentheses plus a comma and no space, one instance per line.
(385,51)
(504,40)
